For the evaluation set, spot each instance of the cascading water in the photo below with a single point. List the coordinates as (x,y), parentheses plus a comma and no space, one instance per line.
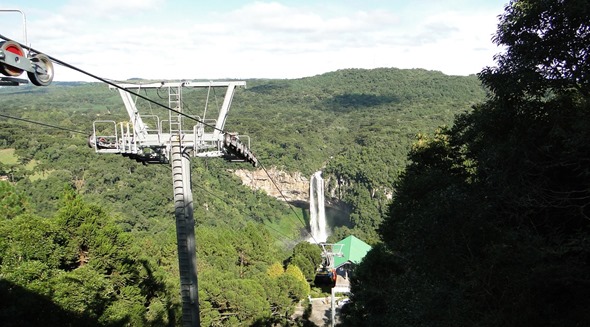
(317,210)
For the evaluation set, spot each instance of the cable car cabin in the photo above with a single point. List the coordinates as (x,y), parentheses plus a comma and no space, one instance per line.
(325,277)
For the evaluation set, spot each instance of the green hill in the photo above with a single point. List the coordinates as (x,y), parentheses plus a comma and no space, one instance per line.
(357,125)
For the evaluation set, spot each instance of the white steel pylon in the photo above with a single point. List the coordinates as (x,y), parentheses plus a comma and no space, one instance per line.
(170,141)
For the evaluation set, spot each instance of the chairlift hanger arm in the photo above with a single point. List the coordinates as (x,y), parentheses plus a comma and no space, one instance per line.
(24,22)
(14,60)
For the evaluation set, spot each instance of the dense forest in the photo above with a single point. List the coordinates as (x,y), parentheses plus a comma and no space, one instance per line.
(490,222)
(92,236)
(473,191)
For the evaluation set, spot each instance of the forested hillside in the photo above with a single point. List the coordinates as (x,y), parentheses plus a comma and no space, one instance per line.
(93,235)
(490,222)
(357,125)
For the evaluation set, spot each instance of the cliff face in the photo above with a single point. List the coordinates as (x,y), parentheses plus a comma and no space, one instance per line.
(294,186)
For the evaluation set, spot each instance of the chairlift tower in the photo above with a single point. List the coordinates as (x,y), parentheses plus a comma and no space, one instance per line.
(169,141)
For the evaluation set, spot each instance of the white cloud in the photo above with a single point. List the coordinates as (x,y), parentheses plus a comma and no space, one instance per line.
(124,39)
(109,8)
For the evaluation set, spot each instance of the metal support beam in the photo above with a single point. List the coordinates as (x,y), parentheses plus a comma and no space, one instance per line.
(139,128)
(229,95)
(185,234)
(24,22)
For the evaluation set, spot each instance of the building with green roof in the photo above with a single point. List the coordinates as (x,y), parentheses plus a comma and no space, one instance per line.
(353,251)
(347,253)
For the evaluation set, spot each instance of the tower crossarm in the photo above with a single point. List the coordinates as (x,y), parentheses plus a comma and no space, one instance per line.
(147,138)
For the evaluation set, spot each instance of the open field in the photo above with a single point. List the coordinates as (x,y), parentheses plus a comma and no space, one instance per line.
(7,157)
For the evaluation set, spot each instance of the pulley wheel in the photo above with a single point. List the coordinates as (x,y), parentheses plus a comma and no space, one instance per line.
(13,47)
(45,76)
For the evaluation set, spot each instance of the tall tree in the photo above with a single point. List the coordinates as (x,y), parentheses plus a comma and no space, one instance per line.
(490,222)
(547,49)
(307,257)
(12,202)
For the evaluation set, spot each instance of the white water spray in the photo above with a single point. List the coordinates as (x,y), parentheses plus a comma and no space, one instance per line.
(317,210)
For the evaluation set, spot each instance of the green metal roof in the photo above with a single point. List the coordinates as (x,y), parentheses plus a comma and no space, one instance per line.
(353,250)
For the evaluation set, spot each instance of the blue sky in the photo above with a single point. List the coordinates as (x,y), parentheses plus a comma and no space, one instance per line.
(183,39)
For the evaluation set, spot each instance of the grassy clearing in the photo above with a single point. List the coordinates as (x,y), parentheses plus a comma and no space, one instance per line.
(287,230)
(40,175)
(8,157)
(31,165)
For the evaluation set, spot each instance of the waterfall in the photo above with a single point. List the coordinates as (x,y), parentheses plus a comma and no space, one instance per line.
(317,210)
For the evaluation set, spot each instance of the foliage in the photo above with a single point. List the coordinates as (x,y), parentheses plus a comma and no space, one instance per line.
(80,259)
(297,285)
(489,224)
(355,124)
(307,257)
(275,270)
(12,202)
(231,300)
(545,43)
(110,233)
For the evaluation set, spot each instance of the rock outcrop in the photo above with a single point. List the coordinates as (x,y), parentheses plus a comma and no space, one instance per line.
(293,186)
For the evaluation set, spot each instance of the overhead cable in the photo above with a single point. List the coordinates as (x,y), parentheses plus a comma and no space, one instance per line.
(43,124)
